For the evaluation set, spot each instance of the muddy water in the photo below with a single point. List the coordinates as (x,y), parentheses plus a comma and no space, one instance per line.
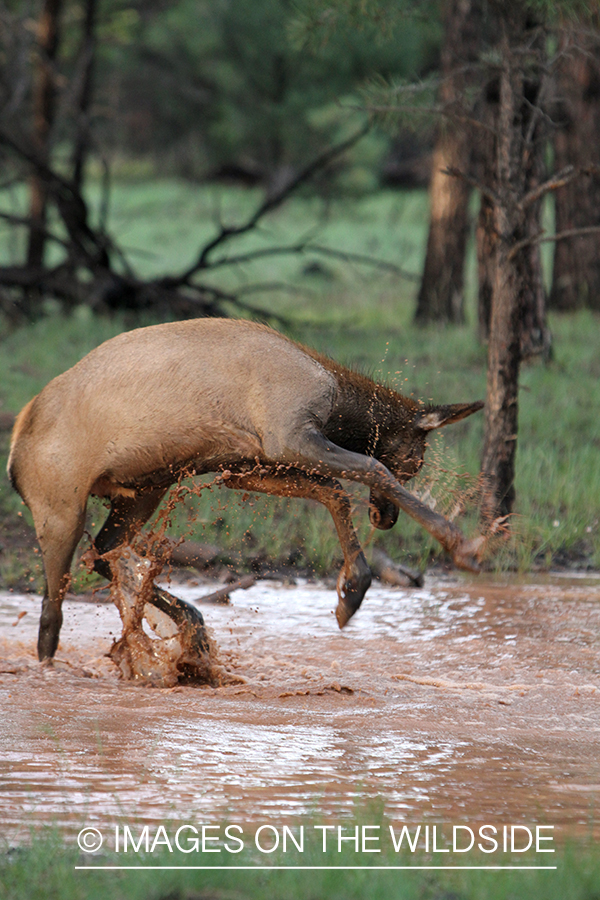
(464,701)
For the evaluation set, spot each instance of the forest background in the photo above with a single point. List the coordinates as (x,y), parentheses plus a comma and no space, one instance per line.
(411,187)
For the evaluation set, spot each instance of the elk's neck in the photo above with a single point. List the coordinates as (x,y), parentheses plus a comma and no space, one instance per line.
(365,413)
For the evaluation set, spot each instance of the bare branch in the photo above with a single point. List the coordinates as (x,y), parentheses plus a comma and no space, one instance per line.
(235,299)
(91,246)
(88,247)
(68,200)
(484,189)
(537,112)
(556,181)
(363,259)
(273,201)
(26,221)
(309,247)
(570,233)
(543,238)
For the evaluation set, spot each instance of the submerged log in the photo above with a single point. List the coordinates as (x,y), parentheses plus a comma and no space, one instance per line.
(394,573)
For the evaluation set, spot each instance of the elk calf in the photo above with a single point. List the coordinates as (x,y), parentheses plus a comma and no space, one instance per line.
(216,395)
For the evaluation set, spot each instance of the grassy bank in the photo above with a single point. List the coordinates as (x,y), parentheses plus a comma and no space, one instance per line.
(46,870)
(362,317)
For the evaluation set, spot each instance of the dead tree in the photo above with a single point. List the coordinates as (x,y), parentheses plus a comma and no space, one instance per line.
(441,293)
(516,320)
(535,334)
(93,268)
(44,103)
(85,73)
(96,271)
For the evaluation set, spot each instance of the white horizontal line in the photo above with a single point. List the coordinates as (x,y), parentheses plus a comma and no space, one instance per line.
(314,868)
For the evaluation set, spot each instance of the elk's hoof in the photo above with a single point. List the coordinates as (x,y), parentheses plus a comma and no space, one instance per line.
(50,622)
(467,555)
(186,617)
(352,587)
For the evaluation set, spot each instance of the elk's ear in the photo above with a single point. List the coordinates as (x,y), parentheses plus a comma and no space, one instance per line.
(436,416)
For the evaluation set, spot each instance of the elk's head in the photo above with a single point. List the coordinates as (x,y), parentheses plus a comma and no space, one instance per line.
(402,450)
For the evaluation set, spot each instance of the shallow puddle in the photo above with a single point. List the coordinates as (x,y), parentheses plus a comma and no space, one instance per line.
(465,701)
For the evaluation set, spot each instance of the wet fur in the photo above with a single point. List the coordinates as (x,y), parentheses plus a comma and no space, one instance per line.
(214,395)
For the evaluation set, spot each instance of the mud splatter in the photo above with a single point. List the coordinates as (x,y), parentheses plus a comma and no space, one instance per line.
(473,700)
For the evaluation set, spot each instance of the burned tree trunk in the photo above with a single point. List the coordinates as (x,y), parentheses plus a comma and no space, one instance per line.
(536,339)
(576,273)
(484,164)
(535,334)
(81,142)
(44,96)
(441,293)
(514,281)
(485,239)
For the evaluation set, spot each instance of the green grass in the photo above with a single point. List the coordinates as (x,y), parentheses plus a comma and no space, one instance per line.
(362,317)
(45,869)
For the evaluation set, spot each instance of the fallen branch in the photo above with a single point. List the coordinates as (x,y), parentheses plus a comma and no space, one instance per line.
(394,573)
(97,271)
(222,595)
(192,553)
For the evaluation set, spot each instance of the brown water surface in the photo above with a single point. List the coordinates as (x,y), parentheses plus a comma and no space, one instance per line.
(465,701)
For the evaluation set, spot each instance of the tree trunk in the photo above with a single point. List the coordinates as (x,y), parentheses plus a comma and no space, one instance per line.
(510,284)
(441,293)
(485,152)
(536,339)
(576,273)
(82,104)
(485,239)
(44,96)
(535,334)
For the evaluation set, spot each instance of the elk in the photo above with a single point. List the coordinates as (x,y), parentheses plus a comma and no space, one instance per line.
(216,395)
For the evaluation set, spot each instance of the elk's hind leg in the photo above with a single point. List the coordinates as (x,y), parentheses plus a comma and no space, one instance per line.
(126,517)
(58,537)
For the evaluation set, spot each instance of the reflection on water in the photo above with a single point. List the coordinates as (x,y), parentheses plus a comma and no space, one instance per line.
(462,701)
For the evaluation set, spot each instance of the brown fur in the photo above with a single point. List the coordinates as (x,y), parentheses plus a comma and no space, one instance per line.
(214,395)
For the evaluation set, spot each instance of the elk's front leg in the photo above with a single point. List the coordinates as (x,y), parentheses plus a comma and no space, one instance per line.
(126,517)
(320,455)
(355,576)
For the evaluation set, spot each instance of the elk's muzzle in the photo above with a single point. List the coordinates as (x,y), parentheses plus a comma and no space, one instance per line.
(383,513)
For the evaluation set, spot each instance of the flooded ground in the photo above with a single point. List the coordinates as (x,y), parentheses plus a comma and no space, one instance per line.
(464,701)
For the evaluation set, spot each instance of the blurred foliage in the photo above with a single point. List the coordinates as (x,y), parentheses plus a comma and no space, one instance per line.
(218,87)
